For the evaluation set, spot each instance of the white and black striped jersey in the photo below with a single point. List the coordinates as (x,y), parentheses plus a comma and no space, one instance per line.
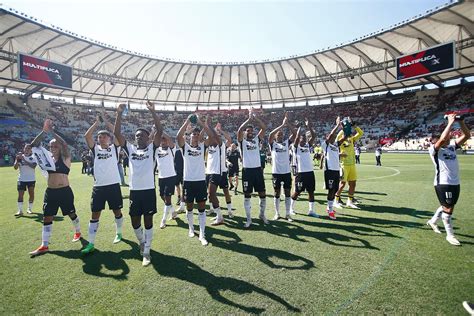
(194,166)
(446,165)
(250,153)
(214,159)
(331,156)
(280,157)
(142,166)
(27,174)
(105,165)
(165,162)
(302,158)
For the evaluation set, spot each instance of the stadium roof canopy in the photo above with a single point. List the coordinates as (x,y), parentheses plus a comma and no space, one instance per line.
(365,65)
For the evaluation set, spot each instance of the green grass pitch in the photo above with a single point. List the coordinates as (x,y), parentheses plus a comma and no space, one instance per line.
(380,259)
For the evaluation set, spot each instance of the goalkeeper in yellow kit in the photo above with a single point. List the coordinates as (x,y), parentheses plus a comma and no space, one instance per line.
(348,166)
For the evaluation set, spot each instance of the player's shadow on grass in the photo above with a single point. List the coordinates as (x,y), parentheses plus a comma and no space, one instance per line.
(38,217)
(397,210)
(185,270)
(296,232)
(377,222)
(232,242)
(370,193)
(110,261)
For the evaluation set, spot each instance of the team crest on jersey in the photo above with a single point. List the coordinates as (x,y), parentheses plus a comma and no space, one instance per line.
(449,156)
(212,150)
(280,149)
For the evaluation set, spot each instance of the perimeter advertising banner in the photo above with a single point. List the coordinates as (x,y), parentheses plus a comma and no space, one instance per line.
(41,71)
(426,62)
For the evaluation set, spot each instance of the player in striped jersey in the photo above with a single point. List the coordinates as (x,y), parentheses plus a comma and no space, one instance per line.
(252,173)
(142,178)
(281,173)
(106,181)
(304,179)
(26,164)
(331,166)
(194,186)
(447,182)
(167,177)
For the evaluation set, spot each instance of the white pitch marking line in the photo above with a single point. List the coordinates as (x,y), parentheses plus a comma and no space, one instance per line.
(397,172)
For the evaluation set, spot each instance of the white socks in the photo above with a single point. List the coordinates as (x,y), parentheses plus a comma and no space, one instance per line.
(118,224)
(229,207)
(287,205)
(436,215)
(263,204)
(311,207)
(247,207)
(139,233)
(148,239)
(46,234)
(77,225)
(218,213)
(20,206)
(30,206)
(276,203)
(448,226)
(330,205)
(189,215)
(166,210)
(202,223)
(93,227)
(292,205)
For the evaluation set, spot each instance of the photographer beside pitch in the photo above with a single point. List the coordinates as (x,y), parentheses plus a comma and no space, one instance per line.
(447,182)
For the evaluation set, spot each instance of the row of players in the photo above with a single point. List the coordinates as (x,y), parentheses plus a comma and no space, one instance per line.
(158,146)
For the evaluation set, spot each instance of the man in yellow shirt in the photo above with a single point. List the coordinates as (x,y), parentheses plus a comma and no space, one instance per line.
(347,160)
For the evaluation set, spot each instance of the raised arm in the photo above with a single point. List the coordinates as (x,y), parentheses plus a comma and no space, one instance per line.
(47,126)
(446,133)
(110,127)
(181,132)
(331,137)
(228,139)
(240,131)
(212,138)
(156,119)
(359,131)
(297,139)
(271,137)
(466,134)
(65,148)
(16,164)
(292,130)
(90,132)
(311,130)
(118,125)
(263,128)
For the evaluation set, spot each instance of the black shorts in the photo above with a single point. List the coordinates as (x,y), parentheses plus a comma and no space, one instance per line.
(305,181)
(22,185)
(142,202)
(331,179)
(252,180)
(233,171)
(277,179)
(107,193)
(448,195)
(194,191)
(218,180)
(167,186)
(58,198)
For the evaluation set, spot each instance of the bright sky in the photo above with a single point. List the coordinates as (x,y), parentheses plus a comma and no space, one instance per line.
(223,31)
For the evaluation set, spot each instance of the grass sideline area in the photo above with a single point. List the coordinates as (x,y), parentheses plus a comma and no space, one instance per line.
(380,259)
